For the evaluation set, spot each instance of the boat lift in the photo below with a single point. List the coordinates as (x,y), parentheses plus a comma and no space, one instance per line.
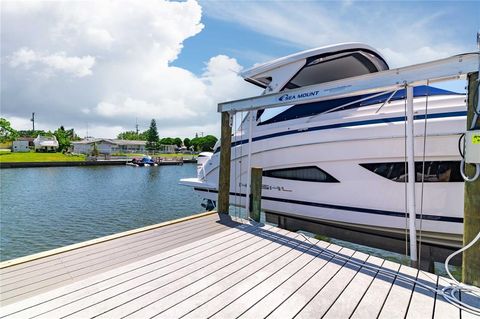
(451,68)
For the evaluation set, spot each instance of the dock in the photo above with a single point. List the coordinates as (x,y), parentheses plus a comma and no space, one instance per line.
(214,265)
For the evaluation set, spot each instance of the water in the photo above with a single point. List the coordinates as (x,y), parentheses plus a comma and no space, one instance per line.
(46,208)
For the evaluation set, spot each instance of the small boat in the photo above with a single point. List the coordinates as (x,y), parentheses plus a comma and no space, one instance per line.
(146,161)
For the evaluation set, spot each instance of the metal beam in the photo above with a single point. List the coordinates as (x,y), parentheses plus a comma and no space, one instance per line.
(412,213)
(413,75)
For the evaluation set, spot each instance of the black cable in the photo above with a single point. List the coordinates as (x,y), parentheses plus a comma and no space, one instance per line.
(459,145)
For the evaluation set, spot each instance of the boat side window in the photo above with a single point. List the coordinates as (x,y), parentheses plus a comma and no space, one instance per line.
(435,171)
(306,173)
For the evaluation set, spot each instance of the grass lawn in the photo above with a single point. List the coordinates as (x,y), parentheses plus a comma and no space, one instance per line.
(39,157)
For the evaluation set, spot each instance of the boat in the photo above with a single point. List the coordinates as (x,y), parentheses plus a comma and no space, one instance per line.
(145,161)
(342,162)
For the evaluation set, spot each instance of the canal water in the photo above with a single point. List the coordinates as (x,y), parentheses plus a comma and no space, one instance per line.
(46,208)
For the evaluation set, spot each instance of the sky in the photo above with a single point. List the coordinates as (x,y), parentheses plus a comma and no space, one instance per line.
(104,66)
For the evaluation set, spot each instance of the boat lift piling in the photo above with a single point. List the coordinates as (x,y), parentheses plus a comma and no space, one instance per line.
(471,218)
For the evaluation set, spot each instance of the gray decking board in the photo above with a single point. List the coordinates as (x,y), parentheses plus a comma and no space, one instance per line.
(24,284)
(215,267)
(75,254)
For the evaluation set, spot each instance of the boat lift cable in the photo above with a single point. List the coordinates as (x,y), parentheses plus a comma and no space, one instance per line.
(423,178)
(405,170)
(235,159)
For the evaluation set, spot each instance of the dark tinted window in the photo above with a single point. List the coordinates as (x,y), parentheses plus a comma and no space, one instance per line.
(438,171)
(326,69)
(307,173)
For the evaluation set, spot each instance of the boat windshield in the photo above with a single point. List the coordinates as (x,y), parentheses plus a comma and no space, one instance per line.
(335,67)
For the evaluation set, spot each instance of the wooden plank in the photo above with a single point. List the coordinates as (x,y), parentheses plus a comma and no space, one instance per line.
(179,257)
(372,301)
(443,309)
(398,299)
(171,307)
(351,296)
(94,267)
(423,300)
(326,296)
(21,260)
(262,302)
(27,275)
(257,286)
(123,297)
(102,253)
(184,287)
(243,280)
(43,263)
(295,302)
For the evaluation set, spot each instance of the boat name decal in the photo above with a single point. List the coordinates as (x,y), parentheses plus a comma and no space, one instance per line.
(268,187)
(292,97)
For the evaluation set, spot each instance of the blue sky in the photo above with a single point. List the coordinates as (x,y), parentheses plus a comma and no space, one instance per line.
(110,64)
(444,23)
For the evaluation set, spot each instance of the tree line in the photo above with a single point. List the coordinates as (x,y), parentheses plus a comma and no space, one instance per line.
(154,142)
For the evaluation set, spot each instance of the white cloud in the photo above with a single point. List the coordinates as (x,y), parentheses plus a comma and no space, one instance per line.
(126,49)
(405,33)
(76,66)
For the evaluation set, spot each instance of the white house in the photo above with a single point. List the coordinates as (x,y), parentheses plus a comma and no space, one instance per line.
(45,143)
(20,146)
(108,146)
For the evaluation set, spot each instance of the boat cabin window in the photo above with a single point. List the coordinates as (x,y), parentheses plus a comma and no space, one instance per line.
(435,172)
(331,68)
(306,173)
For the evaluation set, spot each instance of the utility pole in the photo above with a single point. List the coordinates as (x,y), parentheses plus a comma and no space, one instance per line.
(33,121)
(136,125)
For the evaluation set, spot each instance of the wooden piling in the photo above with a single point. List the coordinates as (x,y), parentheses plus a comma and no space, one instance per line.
(471,213)
(256,193)
(223,202)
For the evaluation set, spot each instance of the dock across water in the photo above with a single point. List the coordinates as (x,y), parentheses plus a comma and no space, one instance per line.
(211,265)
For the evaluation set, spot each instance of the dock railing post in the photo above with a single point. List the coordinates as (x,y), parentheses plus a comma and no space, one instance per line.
(471,213)
(256,193)
(412,215)
(223,202)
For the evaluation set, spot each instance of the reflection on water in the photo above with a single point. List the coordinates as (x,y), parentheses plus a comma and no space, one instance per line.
(45,208)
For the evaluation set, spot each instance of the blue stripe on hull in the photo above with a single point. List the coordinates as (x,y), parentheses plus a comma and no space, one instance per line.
(350,124)
(349,208)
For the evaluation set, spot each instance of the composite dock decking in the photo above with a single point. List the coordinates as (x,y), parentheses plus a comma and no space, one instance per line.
(212,266)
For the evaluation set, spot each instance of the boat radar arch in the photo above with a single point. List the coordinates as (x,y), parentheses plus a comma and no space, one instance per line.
(317,65)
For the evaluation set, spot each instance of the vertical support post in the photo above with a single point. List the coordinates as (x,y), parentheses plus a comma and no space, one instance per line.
(223,201)
(249,160)
(471,213)
(256,193)
(411,178)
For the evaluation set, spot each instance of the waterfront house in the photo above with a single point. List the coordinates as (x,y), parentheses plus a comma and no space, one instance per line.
(45,143)
(108,146)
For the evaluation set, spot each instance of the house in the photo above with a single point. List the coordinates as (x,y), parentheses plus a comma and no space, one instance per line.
(45,143)
(108,146)
(20,146)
